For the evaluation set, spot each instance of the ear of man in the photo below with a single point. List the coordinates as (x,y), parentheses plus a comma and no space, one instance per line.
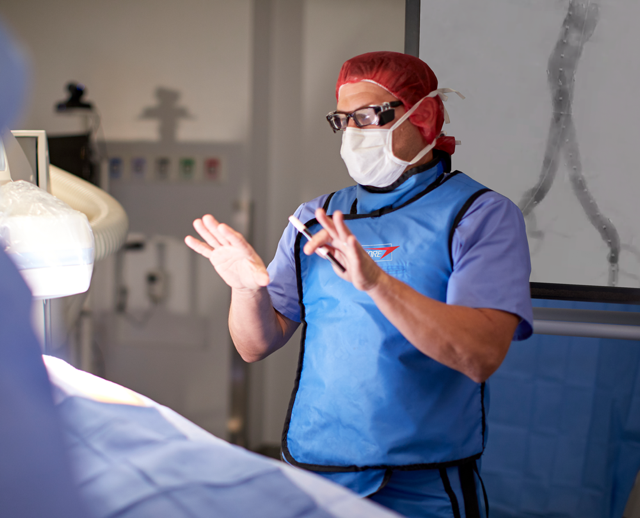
(412,136)
(428,118)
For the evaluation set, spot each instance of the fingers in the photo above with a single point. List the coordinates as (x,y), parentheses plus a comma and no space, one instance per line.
(335,225)
(205,231)
(261,276)
(327,223)
(213,226)
(205,234)
(320,239)
(233,237)
(217,234)
(341,227)
(335,231)
(325,236)
(198,246)
(352,250)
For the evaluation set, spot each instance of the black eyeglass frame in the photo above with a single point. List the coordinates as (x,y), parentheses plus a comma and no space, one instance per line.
(384,114)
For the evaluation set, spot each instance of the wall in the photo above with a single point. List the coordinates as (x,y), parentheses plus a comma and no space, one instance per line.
(123,50)
(539,123)
(178,350)
(309,41)
(256,78)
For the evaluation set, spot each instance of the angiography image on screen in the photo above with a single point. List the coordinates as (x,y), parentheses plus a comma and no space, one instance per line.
(549,122)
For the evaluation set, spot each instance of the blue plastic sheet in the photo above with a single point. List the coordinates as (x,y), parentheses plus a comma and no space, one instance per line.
(131,462)
(564,426)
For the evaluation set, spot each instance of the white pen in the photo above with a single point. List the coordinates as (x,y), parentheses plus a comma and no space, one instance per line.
(321,251)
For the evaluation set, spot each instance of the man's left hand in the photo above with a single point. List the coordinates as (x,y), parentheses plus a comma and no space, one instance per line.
(361,270)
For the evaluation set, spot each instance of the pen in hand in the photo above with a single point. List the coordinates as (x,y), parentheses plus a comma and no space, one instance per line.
(322,251)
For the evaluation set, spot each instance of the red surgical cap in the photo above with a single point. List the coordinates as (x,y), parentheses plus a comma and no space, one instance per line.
(405,77)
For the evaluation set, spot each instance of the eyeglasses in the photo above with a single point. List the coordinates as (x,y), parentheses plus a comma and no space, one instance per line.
(378,115)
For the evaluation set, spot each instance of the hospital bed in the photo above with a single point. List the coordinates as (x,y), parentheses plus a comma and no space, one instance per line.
(132,457)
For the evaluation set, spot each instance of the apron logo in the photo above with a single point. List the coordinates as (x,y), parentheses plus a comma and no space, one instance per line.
(380,252)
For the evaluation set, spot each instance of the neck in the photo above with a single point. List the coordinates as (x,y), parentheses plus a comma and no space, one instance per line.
(416,181)
(424,160)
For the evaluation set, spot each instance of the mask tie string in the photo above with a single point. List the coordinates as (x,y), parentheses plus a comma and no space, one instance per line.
(442,93)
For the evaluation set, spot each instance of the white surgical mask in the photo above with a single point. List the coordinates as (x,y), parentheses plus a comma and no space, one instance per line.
(368,153)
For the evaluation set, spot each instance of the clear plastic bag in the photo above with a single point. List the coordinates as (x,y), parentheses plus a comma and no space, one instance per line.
(50,243)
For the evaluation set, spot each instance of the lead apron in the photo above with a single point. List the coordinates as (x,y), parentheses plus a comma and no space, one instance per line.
(365,397)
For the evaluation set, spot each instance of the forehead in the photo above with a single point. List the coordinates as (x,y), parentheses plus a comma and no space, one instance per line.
(356,95)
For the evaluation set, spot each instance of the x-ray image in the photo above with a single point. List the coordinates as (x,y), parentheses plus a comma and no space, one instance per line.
(550,121)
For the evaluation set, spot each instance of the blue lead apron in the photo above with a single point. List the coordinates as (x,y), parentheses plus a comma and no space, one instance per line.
(364,397)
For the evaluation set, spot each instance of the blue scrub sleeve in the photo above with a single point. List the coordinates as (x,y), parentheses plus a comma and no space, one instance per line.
(283,287)
(491,262)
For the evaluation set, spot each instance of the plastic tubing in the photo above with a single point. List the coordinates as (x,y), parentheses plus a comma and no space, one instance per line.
(106,216)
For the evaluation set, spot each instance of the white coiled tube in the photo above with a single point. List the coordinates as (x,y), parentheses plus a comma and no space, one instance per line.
(106,216)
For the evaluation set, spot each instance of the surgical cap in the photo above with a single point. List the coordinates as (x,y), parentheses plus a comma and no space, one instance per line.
(407,78)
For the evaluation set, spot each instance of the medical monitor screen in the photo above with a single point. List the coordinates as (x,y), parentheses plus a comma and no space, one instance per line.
(29,146)
(550,121)
(34,146)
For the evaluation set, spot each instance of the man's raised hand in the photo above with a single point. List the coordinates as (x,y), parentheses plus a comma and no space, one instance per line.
(362,271)
(233,258)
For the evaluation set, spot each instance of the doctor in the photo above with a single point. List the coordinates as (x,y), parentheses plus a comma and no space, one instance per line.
(391,394)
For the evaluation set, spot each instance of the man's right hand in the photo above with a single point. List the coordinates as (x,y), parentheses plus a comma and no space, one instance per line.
(234,259)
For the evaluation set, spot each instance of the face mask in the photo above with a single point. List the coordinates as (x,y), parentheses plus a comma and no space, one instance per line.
(368,153)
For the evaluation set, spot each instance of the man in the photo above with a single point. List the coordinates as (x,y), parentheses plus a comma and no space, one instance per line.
(390,397)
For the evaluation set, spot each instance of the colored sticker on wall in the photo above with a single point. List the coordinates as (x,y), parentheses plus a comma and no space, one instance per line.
(163,166)
(139,167)
(212,169)
(115,168)
(187,168)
